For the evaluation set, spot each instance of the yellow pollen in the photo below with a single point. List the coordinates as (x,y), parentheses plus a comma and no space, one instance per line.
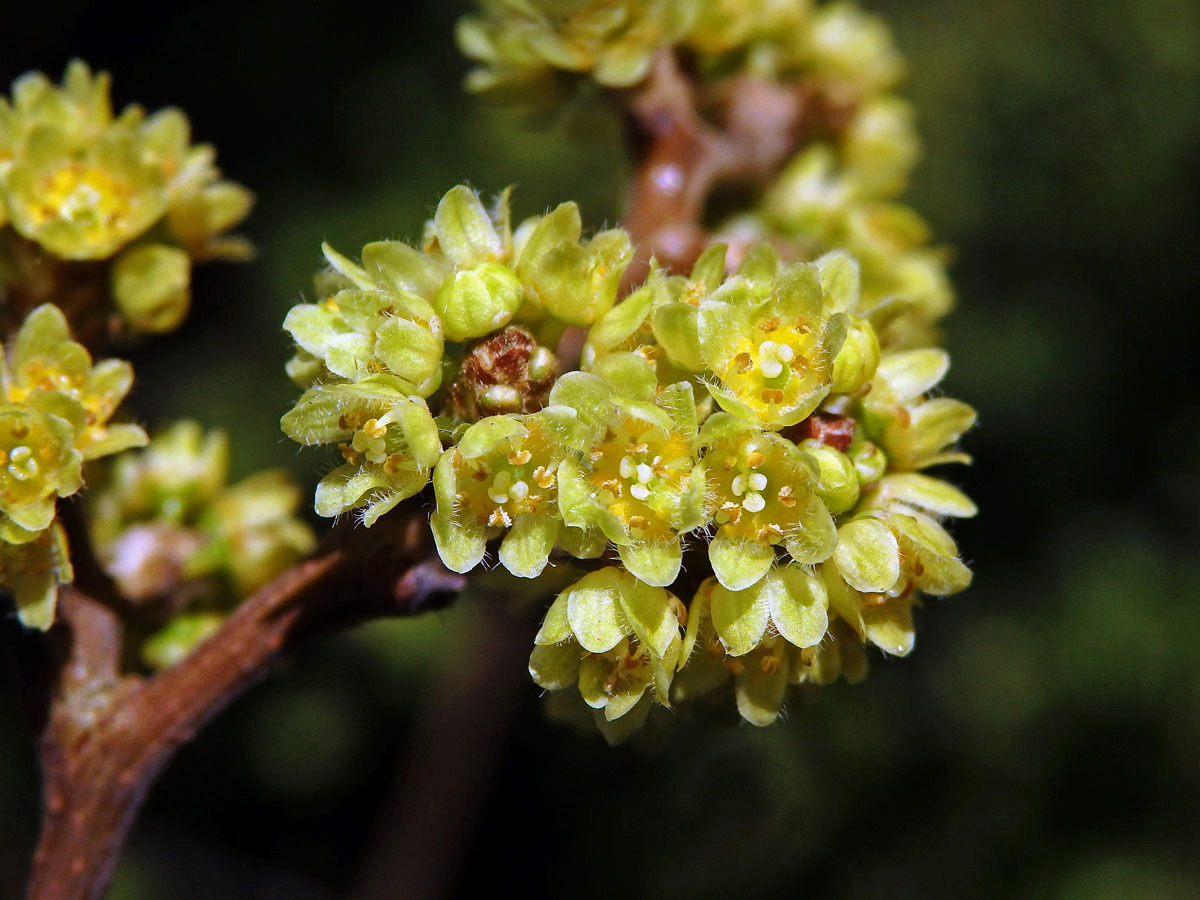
(755,459)
(519,457)
(543,477)
(638,522)
(373,429)
(770,665)
(392,464)
(772,395)
(786,497)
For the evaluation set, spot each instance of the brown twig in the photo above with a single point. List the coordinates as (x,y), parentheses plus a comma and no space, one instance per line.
(108,736)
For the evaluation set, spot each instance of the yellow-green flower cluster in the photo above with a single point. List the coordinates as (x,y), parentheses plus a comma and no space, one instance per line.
(800,488)
(80,185)
(613,41)
(451,328)
(182,543)
(845,52)
(748,426)
(55,407)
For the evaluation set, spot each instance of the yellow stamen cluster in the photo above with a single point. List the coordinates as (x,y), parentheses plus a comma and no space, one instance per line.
(636,470)
(778,364)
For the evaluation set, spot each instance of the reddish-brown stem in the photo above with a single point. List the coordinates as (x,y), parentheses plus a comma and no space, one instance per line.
(108,736)
(753,126)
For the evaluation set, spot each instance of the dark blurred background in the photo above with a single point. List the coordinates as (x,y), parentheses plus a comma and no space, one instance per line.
(1043,741)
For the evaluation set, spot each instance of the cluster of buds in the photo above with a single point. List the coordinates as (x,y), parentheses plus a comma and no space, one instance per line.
(183,545)
(100,210)
(55,407)
(748,424)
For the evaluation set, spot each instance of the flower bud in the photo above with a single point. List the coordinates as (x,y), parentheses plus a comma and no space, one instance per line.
(150,287)
(477,301)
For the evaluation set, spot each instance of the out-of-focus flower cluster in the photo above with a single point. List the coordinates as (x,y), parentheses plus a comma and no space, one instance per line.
(741,455)
(99,210)
(54,416)
(837,193)
(182,544)
(517,42)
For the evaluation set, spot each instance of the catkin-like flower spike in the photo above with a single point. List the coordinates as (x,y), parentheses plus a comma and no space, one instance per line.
(55,408)
(502,478)
(639,482)
(615,637)
(762,492)
(387,437)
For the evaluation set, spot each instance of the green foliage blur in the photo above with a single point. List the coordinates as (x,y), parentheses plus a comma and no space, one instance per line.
(1044,738)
